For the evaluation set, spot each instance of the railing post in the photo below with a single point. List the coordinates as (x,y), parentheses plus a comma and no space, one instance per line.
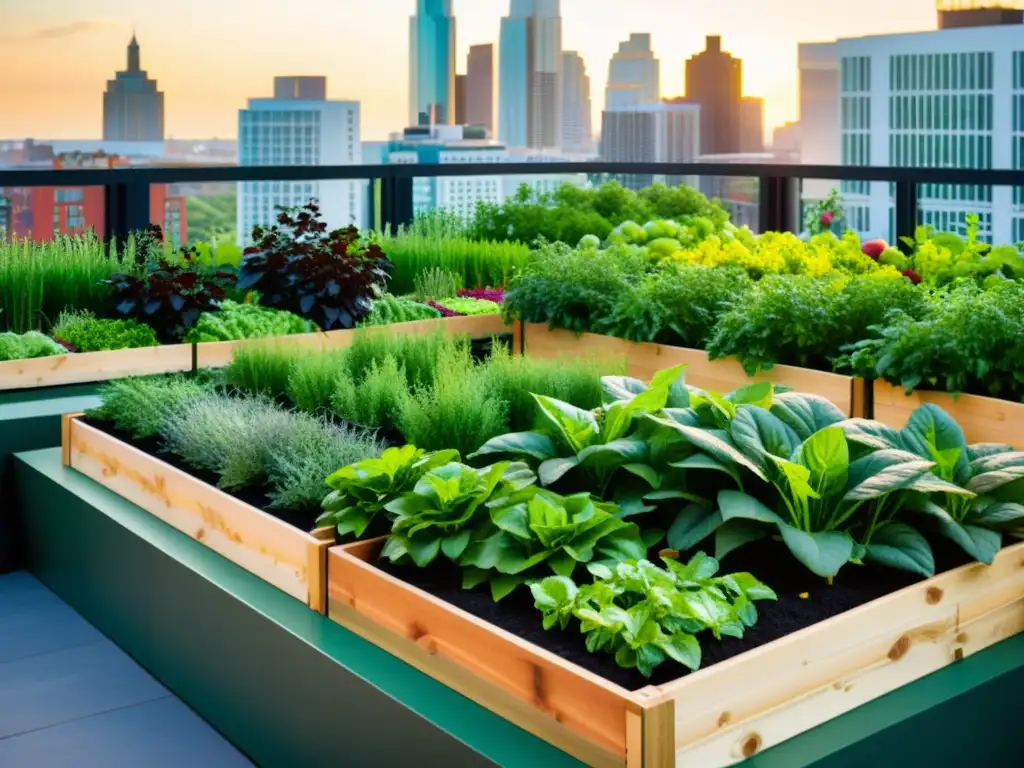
(396,205)
(778,204)
(906,213)
(126,210)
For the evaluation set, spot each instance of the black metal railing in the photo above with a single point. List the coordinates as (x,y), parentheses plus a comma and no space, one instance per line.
(126,190)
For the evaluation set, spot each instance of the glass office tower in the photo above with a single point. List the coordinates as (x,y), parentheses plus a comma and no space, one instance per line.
(432,63)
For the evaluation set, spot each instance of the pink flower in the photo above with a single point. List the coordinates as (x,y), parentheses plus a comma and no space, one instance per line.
(912,276)
(826,219)
(445,312)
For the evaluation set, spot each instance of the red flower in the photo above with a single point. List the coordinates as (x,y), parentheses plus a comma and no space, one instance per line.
(826,219)
(912,276)
(874,248)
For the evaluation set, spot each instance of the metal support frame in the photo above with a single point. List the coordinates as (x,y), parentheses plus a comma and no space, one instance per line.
(779,204)
(906,213)
(126,209)
(396,204)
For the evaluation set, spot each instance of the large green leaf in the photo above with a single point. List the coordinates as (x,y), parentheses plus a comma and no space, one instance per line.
(617,452)
(933,434)
(883,472)
(739,506)
(827,456)
(736,533)
(575,426)
(757,433)
(692,525)
(977,451)
(552,470)
(872,434)
(533,444)
(616,388)
(823,552)
(683,648)
(995,470)
(705,462)
(999,516)
(897,545)
(806,414)
(716,445)
(514,519)
(980,543)
(759,394)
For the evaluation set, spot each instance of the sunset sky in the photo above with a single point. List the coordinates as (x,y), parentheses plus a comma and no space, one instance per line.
(209,56)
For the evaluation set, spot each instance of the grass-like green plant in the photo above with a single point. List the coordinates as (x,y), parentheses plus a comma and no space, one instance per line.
(88,333)
(418,355)
(40,280)
(312,379)
(435,284)
(458,410)
(262,368)
(396,309)
(374,400)
(23,346)
(138,406)
(474,263)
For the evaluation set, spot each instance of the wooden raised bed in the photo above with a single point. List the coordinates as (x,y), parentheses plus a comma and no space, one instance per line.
(85,367)
(715,717)
(292,560)
(218,354)
(984,419)
(644,360)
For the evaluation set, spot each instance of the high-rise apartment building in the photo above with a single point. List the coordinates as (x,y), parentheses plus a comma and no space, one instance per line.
(657,133)
(432,63)
(634,74)
(751,124)
(952,98)
(133,107)
(460,100)
(480,86)
(299,132)
(529,84)
(714,80)
(577,134)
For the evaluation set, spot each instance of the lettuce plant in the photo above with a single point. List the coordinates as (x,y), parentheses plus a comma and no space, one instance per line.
(246,321)
(14,346)
(359,492)
(645,614)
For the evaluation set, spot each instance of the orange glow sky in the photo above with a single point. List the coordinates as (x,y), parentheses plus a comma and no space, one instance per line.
(209,56)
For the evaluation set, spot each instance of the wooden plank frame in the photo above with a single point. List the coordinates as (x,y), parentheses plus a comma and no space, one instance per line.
(86,367)
(292,560)
(219,353)
(716,717)
(984,419)
(644,360)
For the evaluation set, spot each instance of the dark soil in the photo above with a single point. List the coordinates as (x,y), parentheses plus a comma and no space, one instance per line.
(768,561)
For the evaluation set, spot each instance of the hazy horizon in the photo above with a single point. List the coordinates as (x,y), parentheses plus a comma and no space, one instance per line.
(209,58)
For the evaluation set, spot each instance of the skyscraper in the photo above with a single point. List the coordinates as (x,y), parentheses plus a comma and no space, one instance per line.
(480,86)
(529,84)
(634,74)
(298,131)
(432,63)
(714,79)
(751,124)
(133,108)
(577,136)
(656,133)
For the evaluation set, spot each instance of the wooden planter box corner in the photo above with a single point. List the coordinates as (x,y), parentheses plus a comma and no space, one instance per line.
(292,560)
(715,717)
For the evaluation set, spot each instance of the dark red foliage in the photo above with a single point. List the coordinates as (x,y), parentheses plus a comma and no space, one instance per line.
(68,346)
(298,266)
(445,312)
(170,297)
(912,276)
(497,295)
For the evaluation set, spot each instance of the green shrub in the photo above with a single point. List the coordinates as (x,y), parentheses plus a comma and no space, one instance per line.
(394,309)
(433,284)
(457,411)
(473,263)
(88,333)
(139,405)
(807,321)
(969,340)
(246,321)
(418,355)
(470,306)
(313,379)
(262,368)
(374,400)
(14,346)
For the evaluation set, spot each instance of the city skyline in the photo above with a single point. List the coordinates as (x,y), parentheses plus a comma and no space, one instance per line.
(369,63)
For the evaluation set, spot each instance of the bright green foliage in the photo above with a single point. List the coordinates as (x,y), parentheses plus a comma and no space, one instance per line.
(38,281)
(394,309)
(361,491)
(433,284)
(646,615)
(941,258)
(470,306)
(246,321)
(418,355)
(807,321)
(313,379)
(474,263)
(262,368)
(139,406)
(458,410)
(539,532)
(969,340)
(570,213)
(375,400)
(14,346)
(88,333)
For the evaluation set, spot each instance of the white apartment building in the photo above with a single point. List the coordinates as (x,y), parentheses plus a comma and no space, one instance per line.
(951,98)
(299,132)
(656,133)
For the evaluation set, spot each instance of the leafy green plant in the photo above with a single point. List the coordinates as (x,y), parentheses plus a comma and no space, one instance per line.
(361,491)
(394,309)
(941,258)
(418,355)
(139,406)
(646,615)
(87,333)
(234,321)
(471,306)
(435,284)
(14,346)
